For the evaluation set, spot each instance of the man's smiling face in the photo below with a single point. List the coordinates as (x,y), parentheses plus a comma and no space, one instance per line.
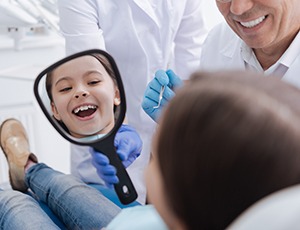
(263,24)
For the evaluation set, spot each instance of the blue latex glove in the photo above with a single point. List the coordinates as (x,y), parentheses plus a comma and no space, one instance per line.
(151,97)
(128,145)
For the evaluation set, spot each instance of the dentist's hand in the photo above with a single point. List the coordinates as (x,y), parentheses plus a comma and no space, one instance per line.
(128,145)
(170,81)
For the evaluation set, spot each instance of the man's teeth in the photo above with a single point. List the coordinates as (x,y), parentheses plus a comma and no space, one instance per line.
(253,23)
(84,107)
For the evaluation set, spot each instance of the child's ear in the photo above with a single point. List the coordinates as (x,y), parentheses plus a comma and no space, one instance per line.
(117,99)
(54,111)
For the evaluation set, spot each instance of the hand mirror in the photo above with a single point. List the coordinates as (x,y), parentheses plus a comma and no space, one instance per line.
(83,97)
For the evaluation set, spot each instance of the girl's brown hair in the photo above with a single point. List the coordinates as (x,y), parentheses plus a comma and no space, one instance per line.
(103,60)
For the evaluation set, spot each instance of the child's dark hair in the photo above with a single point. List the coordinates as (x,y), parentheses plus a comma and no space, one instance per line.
(229,138)
(103,60)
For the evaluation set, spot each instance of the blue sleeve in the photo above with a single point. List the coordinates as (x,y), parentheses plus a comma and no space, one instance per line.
(135,218)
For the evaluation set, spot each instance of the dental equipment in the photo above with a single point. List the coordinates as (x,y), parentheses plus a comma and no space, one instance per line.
(162,89)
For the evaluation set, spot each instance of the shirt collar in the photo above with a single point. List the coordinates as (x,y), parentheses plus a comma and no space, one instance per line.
(292,52)
(280,67)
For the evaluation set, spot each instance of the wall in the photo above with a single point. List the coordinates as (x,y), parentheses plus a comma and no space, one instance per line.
(19,67)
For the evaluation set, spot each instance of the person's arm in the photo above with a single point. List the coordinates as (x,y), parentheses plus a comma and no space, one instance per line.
(189,39)
(79,24)
(187,51)
(167,79)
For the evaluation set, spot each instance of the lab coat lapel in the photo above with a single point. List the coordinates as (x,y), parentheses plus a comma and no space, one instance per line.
(147,8)
(232,55)
(292,75)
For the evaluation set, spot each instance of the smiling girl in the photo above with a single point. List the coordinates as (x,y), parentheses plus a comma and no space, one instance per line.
(83,94)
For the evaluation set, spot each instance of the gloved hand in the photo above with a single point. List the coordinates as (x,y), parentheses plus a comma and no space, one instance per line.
(151,97)
(128,145)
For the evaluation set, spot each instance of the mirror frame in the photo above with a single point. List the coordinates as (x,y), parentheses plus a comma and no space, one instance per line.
(125,188)
(55,124)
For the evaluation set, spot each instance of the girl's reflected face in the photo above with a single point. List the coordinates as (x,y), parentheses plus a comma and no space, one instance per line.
(84,96)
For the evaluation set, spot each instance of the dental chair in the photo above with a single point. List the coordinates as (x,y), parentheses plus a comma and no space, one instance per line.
(278,211)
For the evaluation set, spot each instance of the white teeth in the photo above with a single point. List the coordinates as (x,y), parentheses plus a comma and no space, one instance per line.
(253,23)
(84,107)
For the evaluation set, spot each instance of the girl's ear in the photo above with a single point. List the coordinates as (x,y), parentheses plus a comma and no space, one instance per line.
(54,111)
(117,99)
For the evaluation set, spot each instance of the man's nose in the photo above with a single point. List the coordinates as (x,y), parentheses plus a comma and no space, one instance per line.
(239,7)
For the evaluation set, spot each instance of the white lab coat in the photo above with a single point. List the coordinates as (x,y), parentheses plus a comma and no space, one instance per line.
(222,50)
(143,36)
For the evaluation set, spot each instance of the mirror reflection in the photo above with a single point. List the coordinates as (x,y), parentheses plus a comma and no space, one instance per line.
(82,96)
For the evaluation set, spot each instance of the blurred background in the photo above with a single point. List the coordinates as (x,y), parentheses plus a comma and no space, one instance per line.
(29,42)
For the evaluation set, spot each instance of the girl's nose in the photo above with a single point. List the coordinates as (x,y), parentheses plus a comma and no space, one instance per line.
(81,94)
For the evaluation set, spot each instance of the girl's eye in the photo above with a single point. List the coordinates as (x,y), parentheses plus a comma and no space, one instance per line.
(95,82)
(65,89)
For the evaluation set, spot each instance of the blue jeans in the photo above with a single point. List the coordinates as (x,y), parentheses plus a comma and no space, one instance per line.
(77,205)
(20,211)
(108,193)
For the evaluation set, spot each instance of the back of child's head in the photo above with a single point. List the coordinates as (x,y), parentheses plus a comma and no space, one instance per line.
(226,140)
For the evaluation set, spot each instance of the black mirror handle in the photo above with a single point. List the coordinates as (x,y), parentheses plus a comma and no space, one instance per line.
(125,188)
